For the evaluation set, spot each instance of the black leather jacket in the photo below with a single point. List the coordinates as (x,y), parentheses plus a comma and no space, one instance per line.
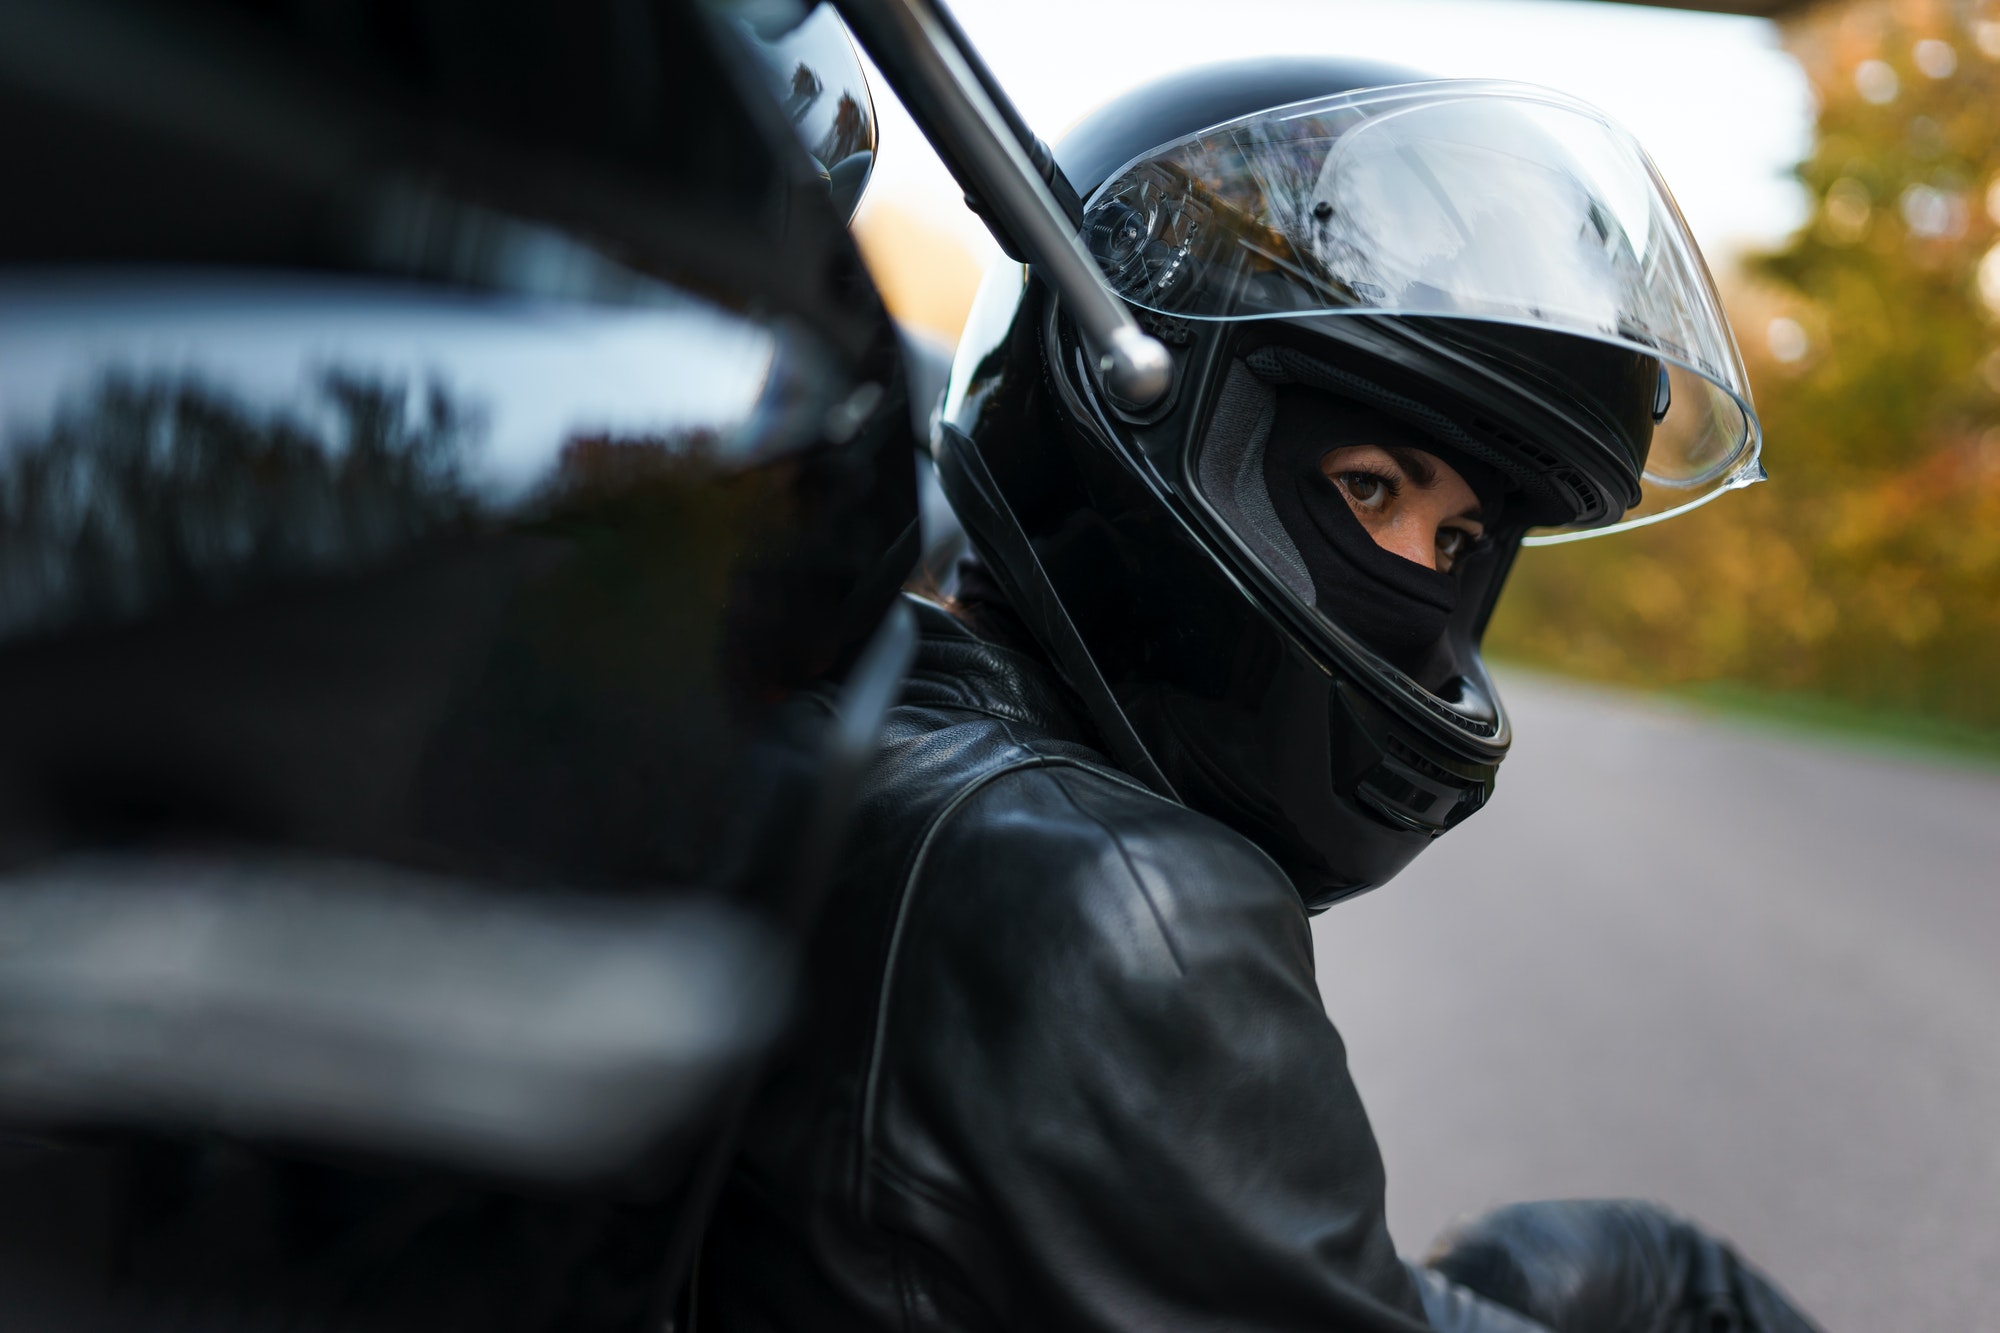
(1065,1066)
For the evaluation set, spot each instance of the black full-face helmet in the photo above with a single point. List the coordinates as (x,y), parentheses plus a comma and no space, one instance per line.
(1490,273)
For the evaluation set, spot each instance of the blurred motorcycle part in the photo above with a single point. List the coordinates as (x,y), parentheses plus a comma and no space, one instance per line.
(453,474)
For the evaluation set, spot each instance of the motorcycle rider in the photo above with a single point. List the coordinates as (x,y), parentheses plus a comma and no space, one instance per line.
(1214,666)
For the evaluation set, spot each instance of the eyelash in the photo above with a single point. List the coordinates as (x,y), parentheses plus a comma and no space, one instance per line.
(1468,542)
(1390,483)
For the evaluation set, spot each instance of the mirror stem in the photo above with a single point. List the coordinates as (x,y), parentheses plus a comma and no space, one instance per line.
(938,76)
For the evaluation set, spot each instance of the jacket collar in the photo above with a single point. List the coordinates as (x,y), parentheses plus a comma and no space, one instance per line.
(955,668)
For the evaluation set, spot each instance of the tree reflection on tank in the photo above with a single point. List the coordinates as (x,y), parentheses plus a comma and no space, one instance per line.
(156,490)
(526,570)
(174,439)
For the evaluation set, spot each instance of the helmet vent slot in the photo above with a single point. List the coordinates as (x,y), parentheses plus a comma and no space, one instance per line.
(1407,754)
(1417,793)
(1408,799)
(1553,470)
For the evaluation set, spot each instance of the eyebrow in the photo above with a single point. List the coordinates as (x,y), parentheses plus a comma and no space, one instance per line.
(1421,468)
(1416,464)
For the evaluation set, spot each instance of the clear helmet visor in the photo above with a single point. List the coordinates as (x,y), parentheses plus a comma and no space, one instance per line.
(1460,199)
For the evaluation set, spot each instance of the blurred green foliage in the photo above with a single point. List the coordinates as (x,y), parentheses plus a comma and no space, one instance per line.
(1868,570)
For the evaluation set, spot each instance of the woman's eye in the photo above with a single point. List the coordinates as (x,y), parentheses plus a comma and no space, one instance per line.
(1451,544)
(1365,489)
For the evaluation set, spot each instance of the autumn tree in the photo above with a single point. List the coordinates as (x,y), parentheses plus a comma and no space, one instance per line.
(1869,569)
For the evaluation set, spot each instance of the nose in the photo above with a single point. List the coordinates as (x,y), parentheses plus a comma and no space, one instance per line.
(1413,541)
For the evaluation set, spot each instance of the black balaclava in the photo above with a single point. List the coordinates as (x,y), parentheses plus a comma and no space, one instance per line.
(1394,605)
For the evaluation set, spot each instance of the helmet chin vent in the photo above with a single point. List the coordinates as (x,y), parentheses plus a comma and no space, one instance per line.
(1406,799)
(1410,792)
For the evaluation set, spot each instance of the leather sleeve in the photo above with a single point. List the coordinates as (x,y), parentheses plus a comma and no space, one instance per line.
(1612,1266)
(1452,1308)
(1104,1092)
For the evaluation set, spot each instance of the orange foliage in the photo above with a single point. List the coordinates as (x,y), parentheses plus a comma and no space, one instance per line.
(1868,570)
(926,277)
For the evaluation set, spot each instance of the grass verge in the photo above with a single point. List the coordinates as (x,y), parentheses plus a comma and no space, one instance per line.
(1909,734)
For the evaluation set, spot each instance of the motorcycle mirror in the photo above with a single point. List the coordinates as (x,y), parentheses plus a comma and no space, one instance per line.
(818,79)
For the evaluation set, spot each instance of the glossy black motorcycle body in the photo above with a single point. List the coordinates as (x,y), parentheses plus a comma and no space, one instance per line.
(467,366)
(452,463)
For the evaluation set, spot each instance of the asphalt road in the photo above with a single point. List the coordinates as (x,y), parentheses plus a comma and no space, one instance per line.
(1752,975)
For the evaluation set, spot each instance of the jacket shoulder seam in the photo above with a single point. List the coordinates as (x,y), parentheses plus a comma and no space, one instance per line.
(872,1078)
(1131,871)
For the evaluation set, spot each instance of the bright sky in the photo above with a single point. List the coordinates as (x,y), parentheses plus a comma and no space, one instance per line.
(1721,108)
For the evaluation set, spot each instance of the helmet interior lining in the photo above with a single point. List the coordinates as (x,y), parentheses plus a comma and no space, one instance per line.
(1231,470)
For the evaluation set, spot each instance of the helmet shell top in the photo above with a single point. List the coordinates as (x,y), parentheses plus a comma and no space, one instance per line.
(1179,104)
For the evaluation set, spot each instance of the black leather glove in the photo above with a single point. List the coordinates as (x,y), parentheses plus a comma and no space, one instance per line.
(1612,1266)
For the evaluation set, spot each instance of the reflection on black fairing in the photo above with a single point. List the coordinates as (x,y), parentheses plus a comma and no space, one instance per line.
(502,556)
(534,1034)
(142,493)
(164,438)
